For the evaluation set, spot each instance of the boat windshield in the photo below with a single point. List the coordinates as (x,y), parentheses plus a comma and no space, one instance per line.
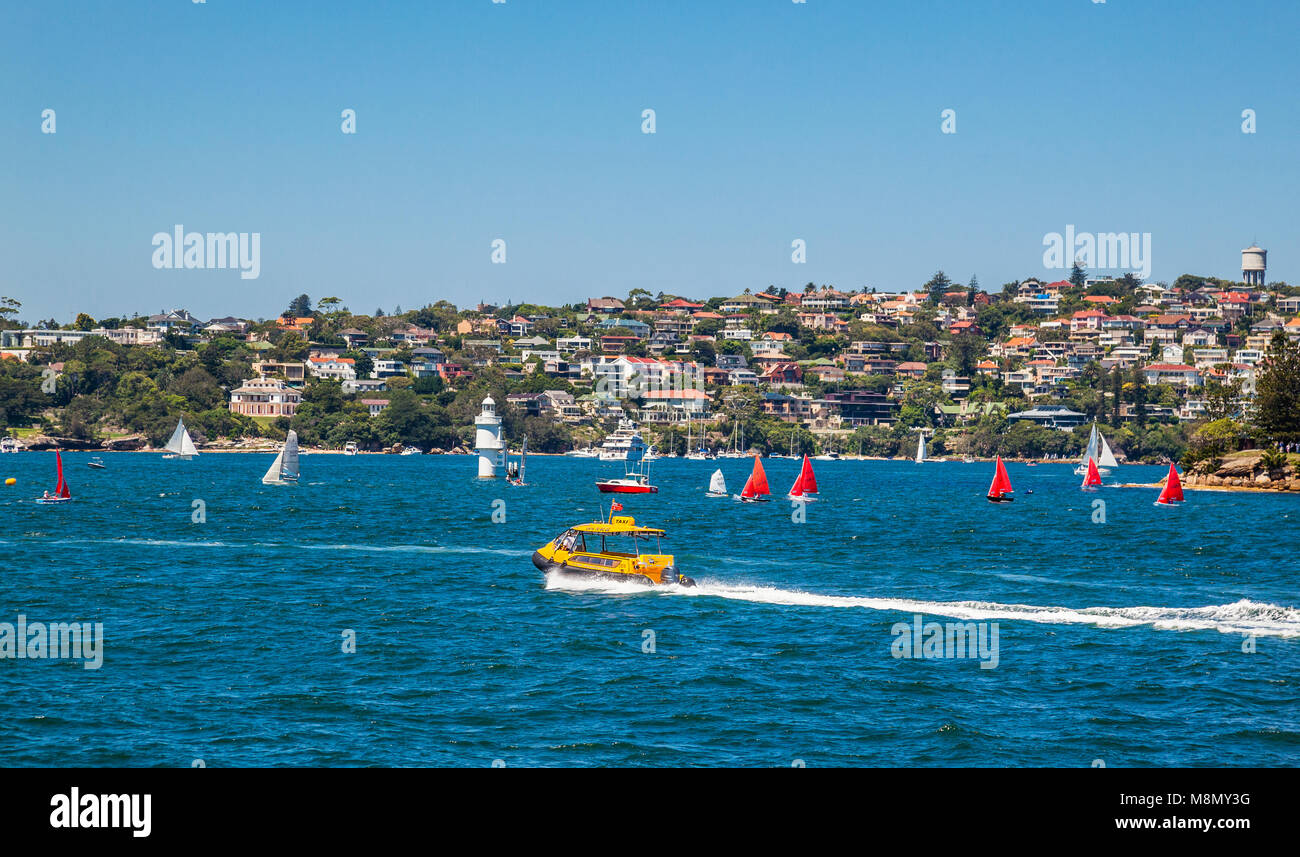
(628,544)
(572,541)
(623,544)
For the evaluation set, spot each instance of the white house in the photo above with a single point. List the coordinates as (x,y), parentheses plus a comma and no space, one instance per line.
(1172,373)
(333,368)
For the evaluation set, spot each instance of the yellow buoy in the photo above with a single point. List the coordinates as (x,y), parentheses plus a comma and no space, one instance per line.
(11,481)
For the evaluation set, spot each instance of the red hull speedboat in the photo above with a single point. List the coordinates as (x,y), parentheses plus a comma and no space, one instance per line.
(625,486)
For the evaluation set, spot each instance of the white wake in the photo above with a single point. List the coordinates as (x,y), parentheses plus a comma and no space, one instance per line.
(1241,617)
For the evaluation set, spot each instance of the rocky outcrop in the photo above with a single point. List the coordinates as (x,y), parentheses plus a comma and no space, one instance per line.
(130,443)
(44,442)
(1245,471)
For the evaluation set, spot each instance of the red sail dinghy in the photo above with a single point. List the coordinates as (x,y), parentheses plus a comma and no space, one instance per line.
(61,492)
(755,489)
(1173,492)
(1093,479)
(1001,487)
(805,486)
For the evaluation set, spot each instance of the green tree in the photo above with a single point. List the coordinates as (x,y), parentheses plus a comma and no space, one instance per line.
(1277,391)
(290,347)
(1139,397)
(1078,277)
(9,308)
(1116,394)
(964,351)
(1222,400)
(406,419)
(362,363)
(636,297)
(937,286)
(299,307)
(919,401)
(1212,441)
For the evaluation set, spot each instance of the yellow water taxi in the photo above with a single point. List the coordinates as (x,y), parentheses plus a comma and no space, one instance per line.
(610,550)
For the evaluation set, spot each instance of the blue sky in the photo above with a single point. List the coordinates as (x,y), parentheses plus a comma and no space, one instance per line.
(522,121)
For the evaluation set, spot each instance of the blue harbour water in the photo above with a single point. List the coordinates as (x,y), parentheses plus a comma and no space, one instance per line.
(1120,641)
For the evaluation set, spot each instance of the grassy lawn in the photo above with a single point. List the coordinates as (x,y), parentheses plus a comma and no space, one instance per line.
(1292,458)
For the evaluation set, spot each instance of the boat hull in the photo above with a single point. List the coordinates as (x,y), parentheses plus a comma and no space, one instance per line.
(549,566)
(993,499)
(623,488)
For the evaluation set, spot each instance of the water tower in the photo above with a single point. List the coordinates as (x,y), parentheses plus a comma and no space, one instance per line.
(1254,260)
(487,440)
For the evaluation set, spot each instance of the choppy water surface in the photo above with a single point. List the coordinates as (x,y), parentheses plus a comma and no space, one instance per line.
(1120,641)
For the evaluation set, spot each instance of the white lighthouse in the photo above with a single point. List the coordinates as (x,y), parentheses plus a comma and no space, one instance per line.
(487,440)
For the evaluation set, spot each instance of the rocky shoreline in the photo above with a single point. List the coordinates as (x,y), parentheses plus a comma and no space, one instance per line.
(1243,472)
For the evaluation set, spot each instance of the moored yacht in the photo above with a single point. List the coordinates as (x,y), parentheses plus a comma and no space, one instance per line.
(617,443)
(1098,451)
(636,472)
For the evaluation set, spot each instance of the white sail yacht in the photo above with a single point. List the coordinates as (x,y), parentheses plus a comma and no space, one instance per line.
(180,445)
(284,470)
